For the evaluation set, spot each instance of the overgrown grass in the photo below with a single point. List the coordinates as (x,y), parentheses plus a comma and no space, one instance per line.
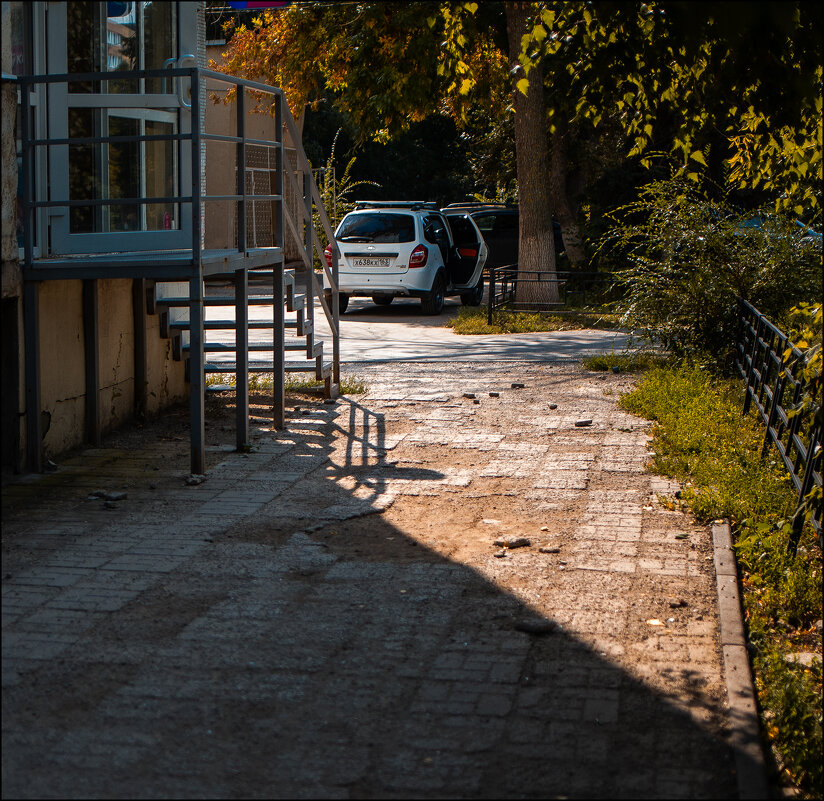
(259,382)
(702,439)
(473,320)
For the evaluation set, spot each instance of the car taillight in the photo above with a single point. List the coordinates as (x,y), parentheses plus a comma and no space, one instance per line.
(418,257)
(327,253)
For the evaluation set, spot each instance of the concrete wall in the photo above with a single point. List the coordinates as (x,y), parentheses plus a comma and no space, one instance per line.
(165,377)
(62,362)
(62,385)
(116,352)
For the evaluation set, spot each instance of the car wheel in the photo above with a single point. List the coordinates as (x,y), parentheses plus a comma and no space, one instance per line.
(382,300)
(432,302)
(343,302)
(474,296)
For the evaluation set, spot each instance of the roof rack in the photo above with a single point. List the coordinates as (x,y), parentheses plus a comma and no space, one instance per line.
(477,204)
(412,205)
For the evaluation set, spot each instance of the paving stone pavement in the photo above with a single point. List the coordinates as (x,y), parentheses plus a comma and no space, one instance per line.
(293,628)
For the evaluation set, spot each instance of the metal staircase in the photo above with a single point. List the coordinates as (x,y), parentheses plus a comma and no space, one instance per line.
(221,334)
(222,315)
(239,186)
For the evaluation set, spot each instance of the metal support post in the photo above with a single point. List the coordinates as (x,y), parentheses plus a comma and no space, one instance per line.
(141,378)
(241,169)
(91,351)
(197,387)
(278,311)
(242,358)
(31,334)
(335,319)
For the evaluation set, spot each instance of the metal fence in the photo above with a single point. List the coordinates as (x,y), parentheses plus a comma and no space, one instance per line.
(775,387)
(542,291)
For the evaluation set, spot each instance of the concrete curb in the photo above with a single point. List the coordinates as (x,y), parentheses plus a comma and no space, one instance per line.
(745,738)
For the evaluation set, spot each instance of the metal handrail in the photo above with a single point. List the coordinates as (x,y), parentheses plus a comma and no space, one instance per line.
(195,199)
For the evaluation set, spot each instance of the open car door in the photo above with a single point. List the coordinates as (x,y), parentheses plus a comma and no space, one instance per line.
(466,266)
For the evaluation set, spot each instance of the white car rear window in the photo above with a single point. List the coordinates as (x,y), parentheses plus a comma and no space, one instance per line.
(377,227)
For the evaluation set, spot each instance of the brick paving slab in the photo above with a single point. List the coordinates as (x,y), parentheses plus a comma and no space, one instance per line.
(325,618)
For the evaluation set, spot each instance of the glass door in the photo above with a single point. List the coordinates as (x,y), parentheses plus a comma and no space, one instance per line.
(115,38)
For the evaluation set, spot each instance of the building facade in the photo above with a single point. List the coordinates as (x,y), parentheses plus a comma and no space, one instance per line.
(128,186)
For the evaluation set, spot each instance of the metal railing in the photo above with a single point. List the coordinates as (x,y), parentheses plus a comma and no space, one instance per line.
(775,388)
(513,289)
(193,195)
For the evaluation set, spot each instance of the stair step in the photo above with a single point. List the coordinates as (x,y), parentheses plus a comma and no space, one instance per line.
(296,303)
(254,300)
(307,325)
(227,279)
(220,347)
(266,367)
(221,325)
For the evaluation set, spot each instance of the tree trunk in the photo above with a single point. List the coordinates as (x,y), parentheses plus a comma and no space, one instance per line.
(566,216)
(536,248)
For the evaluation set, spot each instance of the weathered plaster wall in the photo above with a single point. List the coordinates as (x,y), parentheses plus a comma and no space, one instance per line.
(62,359)
(116,352)
(61,366)
(166,377)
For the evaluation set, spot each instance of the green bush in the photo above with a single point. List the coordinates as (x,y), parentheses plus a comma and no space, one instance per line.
(687,258)
(792,694)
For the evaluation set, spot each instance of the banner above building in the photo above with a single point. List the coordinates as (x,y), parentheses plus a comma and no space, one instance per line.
(248,5)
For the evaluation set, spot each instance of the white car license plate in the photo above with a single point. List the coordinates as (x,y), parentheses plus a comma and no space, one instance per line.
(382,261)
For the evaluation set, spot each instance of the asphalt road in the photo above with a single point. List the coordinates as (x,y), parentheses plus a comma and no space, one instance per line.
(399,332)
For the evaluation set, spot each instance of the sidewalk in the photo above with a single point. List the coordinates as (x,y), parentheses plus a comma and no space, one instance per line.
(329,616)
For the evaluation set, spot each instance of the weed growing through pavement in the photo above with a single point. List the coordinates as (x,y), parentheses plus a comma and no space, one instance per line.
(702,439)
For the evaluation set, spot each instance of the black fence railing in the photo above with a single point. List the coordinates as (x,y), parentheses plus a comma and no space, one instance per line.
(542,291)
(775,387)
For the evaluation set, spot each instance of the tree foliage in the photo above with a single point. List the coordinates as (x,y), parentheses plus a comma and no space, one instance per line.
(689,71)
(358,54)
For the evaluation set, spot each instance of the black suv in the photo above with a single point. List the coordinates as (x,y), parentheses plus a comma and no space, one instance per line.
(499,225)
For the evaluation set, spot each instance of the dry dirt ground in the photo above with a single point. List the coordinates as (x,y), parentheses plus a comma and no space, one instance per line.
(365,633)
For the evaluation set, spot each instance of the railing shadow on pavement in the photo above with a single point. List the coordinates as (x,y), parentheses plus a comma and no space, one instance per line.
(353,658)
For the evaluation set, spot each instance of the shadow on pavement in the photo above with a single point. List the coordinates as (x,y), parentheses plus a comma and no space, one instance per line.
(312,650)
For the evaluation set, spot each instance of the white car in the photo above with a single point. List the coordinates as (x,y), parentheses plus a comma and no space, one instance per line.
(408,249)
